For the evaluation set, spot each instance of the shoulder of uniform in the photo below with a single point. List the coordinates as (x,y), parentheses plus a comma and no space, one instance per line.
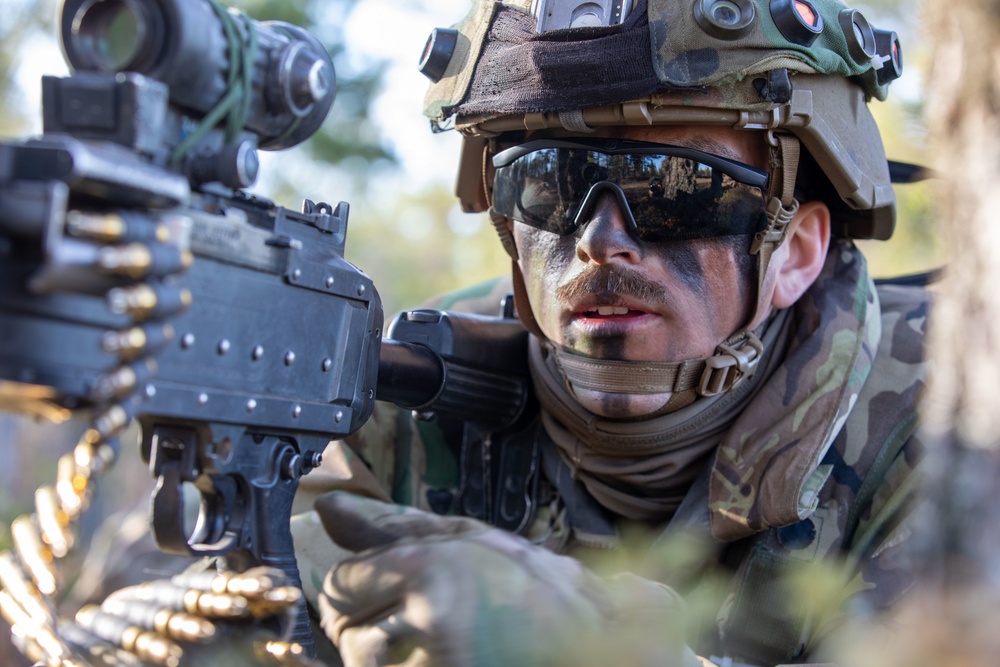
(883,420)
(481,299)
(904,311)
(910,300)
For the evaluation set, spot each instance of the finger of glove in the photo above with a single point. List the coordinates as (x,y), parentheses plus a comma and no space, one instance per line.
(358,523)
(384,643)
(363,589)
(426,603)
(417,593)
(350,521)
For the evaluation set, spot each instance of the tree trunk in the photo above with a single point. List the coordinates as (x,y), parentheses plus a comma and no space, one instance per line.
(961,412)
(951,619)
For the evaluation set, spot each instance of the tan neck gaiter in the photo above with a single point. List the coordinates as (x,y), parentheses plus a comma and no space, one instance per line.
(641,469)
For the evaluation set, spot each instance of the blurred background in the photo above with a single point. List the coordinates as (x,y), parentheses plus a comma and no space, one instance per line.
(377,152)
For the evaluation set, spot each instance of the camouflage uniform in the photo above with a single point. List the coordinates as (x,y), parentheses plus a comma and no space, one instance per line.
(818,467)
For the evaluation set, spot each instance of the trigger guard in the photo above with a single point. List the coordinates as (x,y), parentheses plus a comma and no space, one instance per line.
(167,519)
(166,511)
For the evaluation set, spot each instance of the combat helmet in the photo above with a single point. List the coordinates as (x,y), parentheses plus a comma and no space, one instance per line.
(800,71)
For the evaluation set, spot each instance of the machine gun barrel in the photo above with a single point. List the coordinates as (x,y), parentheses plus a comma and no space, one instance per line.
(469,367)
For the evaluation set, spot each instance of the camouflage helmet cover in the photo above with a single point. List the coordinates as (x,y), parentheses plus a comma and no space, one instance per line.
(661,66)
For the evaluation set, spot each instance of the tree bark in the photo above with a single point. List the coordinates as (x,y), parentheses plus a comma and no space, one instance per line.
(961,413)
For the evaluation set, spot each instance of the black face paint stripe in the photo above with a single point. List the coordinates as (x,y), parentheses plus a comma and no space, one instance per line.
(745,267)
(685,260)
(740,246)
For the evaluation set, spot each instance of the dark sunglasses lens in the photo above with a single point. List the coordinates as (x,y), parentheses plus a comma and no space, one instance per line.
(670,197)
(541,189)
(694,201)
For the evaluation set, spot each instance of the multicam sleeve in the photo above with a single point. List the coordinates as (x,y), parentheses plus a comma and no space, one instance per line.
(879,526)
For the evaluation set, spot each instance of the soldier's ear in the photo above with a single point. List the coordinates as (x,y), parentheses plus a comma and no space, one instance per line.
(802,255)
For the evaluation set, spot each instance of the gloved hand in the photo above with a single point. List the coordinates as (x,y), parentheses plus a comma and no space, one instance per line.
(424,589)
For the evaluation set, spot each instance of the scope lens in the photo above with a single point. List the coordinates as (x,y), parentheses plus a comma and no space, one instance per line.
(860,38)
(859,35)
(726,13)
(109,33)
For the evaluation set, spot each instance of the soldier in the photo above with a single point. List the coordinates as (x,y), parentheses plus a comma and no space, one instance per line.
(715,363)
(724,396)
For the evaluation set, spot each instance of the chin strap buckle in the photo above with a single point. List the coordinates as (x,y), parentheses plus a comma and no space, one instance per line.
(730,365)
(778,219)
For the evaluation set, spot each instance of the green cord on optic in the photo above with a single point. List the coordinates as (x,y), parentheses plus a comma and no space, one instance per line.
(234,106)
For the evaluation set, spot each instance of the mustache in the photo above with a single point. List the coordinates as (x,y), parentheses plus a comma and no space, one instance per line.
(607,282)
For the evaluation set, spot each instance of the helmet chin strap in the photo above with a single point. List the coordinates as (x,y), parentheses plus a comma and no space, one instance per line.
(733,360)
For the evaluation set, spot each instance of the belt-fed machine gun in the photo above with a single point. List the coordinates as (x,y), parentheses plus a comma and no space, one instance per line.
(137,280)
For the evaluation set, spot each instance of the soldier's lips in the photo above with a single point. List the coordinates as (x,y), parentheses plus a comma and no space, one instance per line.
(611,320)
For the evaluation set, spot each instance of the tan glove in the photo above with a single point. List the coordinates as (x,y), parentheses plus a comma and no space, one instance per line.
(450,591)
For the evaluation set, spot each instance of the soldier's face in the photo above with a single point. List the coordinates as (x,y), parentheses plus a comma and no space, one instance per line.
(605,293)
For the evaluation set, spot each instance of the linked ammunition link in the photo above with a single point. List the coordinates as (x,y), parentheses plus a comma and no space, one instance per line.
(146,644)
(283,653)
(29,575)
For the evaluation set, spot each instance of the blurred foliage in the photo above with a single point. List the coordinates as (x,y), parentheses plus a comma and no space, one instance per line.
(20,22)
(422,245)
(917,243)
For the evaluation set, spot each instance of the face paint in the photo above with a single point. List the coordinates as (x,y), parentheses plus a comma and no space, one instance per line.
(689,268)
(665,308)
(604,293)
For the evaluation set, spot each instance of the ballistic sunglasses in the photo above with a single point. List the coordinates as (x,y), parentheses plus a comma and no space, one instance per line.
(666,192)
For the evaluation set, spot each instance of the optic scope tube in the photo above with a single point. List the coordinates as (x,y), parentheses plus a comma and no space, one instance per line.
(289,85)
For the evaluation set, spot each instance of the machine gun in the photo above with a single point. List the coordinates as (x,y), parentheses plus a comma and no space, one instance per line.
(137,279)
